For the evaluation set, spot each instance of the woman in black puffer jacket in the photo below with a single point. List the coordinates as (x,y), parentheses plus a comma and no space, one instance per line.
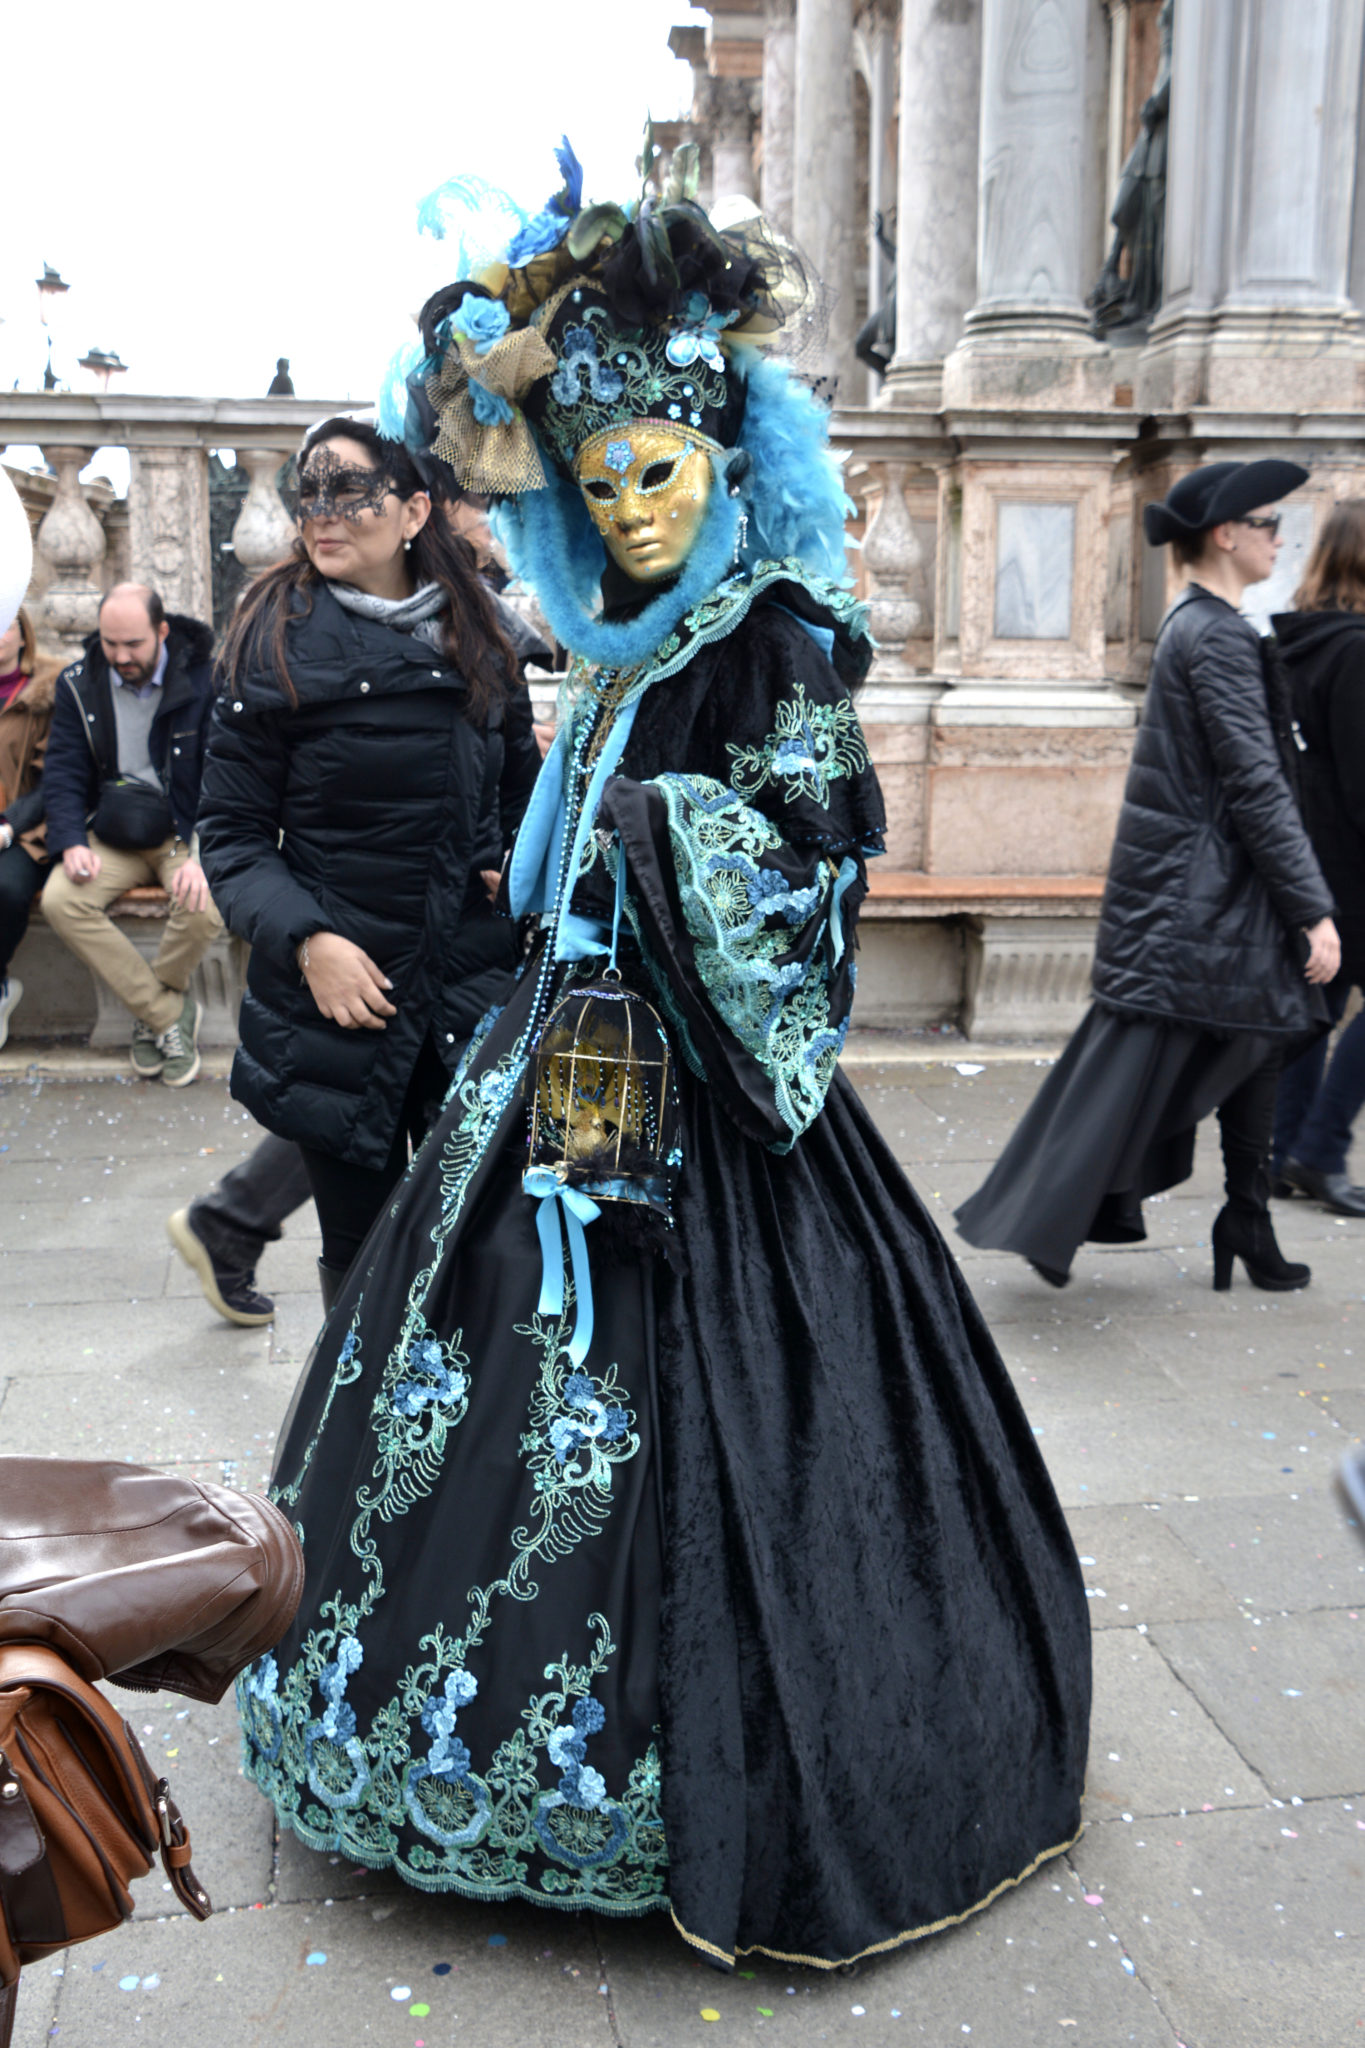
(1323,645)
(371,754)
(1215,933)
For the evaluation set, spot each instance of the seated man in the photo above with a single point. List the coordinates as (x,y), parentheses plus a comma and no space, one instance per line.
(121,787)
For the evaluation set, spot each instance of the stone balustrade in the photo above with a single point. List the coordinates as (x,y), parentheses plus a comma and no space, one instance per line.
(87,539)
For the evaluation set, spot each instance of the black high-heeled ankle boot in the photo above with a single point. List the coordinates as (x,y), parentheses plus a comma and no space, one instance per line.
(1249,1235)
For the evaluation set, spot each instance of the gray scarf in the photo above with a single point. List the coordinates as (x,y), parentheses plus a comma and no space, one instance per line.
(418,614)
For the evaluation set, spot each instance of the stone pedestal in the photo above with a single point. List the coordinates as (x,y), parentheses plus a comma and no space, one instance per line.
(1027,342)
(936,224)
(70,545)
(168,527)
(1027,977)
(1265,113)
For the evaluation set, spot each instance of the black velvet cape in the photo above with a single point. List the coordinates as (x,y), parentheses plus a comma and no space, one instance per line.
(767,1615)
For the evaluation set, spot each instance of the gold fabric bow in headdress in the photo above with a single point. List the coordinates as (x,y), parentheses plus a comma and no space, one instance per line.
(497,458)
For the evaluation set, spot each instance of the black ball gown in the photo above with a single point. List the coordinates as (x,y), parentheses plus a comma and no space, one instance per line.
(762,1610)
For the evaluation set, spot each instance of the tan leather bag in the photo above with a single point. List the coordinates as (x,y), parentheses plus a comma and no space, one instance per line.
(81,1814)
(152,1580)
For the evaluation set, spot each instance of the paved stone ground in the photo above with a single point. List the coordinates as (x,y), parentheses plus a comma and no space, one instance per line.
(1217,1898)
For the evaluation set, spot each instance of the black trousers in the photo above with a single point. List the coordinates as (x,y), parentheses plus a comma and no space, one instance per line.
(21,877)
(243,1214)
(348,1197)
(1246,1123)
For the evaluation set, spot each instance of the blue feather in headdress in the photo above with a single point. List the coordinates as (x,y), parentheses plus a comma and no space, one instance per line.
(547,229)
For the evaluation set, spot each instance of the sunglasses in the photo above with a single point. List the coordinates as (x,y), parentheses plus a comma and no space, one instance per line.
(1266,522)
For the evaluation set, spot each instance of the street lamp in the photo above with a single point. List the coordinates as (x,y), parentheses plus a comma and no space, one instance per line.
(104,364)
(51,286)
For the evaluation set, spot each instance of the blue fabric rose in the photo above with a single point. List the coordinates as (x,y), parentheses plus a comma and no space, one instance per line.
(482,321)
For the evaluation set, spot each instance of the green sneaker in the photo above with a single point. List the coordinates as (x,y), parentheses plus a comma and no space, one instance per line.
(179,1047)
(148,1058)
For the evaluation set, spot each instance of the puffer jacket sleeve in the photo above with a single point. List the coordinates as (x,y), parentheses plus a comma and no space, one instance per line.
(1229,697)
(1346,732)
(240,805)
(67,771)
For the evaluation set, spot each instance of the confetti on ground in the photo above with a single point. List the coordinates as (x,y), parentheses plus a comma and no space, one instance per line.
(497,1941)
(319,1955)
(1093,1899)
(708,2012)
(440,1969)
(419,2012)
(129,1983)
(1127,1962)
(400,1992)
(968,1067)
(765,2012)
(857,2010)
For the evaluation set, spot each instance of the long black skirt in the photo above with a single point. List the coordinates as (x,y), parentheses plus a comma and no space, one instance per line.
(766,1614)
(1113,1123)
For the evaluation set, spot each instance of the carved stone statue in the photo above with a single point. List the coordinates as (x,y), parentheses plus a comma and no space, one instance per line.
(876,339)
(1139,215)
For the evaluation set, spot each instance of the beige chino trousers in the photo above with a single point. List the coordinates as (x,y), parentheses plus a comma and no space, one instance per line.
(78,914)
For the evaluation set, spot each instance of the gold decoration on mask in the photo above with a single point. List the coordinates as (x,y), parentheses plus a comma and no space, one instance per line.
(646,484)
(498,460)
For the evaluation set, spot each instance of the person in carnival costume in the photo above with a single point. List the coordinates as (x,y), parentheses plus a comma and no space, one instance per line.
(675,1539)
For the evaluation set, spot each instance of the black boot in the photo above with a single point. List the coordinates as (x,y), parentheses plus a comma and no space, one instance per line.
(1249,1235)
(330,1279)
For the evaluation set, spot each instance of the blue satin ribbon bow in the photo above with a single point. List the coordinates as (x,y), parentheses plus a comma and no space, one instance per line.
(560,1203)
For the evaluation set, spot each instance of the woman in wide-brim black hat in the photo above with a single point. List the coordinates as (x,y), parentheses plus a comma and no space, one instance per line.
(1216,930)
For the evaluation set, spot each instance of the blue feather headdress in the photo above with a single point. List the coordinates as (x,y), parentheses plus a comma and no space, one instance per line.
(573,318)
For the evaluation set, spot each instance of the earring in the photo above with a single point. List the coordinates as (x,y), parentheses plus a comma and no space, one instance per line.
(407,547)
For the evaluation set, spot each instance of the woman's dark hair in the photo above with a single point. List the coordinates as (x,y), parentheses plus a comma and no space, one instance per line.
(1188,548)
(474,640)
(1334,580)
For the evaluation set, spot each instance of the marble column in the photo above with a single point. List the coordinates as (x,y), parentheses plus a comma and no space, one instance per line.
(1261,193)
(779,111)
(824,184)
(168,527)
(1027,341)
(70,545)
(264,532)
(940,91)
(724,108)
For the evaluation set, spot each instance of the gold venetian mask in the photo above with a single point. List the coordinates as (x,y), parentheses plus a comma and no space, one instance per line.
(647,489)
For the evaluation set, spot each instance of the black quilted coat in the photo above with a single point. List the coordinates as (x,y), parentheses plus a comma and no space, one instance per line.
(367,809)
(1325,656)
(1212,879)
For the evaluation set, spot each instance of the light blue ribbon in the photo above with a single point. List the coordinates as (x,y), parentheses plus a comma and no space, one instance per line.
(560,1203)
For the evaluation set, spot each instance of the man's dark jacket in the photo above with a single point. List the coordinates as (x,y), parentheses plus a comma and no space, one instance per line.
(1212,879)
(82,751)
(390,800)
(1324,653)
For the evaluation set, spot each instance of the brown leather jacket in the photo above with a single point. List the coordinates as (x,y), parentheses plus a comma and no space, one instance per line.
(24,724)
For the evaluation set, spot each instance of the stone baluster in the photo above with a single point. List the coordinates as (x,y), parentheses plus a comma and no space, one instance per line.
(1027,341)
(940,91)
(264,532)
(892,554)
(824,184)
(71,545)
(779,111)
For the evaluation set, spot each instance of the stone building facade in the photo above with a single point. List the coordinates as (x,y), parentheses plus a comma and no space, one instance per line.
(1001,465)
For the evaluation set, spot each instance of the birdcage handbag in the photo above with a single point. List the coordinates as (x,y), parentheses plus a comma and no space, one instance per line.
(603,1102)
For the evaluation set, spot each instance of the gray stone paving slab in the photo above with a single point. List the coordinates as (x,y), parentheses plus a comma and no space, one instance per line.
(160,1337)
(135,1273)
(1288,1691)
(1248,1928)
(304,1876)
(196,1747)
(1137,1570)
(1153,1748)
(147,1414)
(1013,1977)
(244,1978)
(1274,1554)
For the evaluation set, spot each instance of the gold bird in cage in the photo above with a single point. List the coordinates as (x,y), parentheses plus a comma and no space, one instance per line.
(588,1090)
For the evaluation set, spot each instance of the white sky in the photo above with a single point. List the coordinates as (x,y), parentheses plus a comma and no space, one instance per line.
(221,185)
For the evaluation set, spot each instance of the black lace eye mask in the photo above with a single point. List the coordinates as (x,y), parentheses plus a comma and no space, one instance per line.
(329,488)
